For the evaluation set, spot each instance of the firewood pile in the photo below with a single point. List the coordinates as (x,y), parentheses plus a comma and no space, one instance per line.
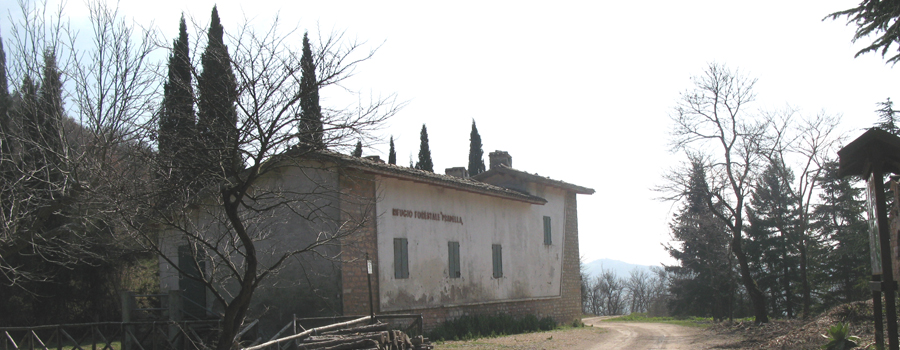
(376,336)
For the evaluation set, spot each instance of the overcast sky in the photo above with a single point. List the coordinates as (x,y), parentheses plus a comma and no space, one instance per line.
(577,91)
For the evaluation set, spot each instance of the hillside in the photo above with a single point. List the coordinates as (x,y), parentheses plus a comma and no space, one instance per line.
(621,268)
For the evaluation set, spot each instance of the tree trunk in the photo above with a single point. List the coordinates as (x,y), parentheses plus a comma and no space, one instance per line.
(756,296)
(237,308)
(804,279)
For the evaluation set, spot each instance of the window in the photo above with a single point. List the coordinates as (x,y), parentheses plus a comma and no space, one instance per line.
(497,254)
(547,238)
(401,258)
(453,250)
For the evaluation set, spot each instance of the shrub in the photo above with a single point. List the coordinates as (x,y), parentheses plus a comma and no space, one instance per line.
(479,326)
(838,338)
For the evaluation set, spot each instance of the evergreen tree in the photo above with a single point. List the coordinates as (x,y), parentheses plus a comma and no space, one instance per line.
(392,154)
(217,117)
(424,162)
(704,281)
(357,152)
(176,120)
(6,161)
(840,221)
(476,154)
(887,117)
(772,214)
(310,128)
(5,104)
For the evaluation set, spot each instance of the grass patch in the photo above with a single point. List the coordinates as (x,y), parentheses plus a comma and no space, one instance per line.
(481,326)
(689,321)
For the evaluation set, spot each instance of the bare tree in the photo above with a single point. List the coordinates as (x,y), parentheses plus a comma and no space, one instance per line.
(712,119)
(638,286)
(230,229)
(808,141)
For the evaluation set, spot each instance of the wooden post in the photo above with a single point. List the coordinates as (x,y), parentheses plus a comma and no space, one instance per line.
(888,287)
(176,315)
(128,306)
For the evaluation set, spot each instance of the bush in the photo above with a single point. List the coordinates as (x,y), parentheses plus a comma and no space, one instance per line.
(479,326)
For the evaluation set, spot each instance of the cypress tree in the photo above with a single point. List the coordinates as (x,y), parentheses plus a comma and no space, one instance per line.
(6,165)
(476,153)
(217,117)
(424,162)
(310,128)
(358,151)
(392,154)
(176,121)
(5,147)
(51,107)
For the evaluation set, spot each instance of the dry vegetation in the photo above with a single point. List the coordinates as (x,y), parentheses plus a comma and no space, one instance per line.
(802,334)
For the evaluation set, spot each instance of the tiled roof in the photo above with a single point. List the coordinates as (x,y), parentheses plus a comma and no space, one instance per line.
(405,173)
(504,170)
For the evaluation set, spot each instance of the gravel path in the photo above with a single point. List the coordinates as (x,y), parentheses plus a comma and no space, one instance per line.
(603,336)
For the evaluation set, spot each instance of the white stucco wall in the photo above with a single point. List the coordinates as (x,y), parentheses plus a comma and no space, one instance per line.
(531,269)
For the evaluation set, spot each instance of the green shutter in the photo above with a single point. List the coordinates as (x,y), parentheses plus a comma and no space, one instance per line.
(405,258)
(401,258)
(497,258)
(398,258)
(548,240)
(453,253)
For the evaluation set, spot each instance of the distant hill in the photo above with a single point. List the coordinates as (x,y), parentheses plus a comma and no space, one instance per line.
(621,268)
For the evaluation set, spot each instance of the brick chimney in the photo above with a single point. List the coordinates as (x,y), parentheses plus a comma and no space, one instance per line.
(459,172)
(500,157)
(374,159)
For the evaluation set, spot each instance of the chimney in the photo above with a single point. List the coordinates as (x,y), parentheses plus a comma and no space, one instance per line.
(459,172)
(376,159)
(500,157)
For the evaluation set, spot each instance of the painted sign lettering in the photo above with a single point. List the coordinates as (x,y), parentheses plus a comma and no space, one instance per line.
(427,215)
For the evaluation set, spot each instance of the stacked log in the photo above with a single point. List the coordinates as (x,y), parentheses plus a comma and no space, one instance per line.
(376,336)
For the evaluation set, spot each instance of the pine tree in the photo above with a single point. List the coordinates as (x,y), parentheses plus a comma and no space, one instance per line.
(887,117)
(217,117)
(310,128)
(424,162)
(357,152)
(704,281)
(840,220)
(176,121)
(476,153)
(392,154)
(772,214)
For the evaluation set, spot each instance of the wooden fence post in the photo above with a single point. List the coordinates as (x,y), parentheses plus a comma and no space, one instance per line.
(128,306)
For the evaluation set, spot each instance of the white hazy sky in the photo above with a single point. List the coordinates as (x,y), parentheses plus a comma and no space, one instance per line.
(579,91)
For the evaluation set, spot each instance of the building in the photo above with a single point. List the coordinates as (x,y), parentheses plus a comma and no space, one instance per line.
(504,241)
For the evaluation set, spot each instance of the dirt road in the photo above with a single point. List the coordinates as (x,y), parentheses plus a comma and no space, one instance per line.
(638,336)
(603,336)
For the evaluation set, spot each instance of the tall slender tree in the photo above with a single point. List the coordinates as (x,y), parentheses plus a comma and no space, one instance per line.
(217,117)
(476,153)
(6,163)
(357,152)
(176,121)
(310,129)
(424,162)
(392,154)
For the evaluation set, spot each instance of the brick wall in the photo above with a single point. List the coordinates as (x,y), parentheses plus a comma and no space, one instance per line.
(358,216)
